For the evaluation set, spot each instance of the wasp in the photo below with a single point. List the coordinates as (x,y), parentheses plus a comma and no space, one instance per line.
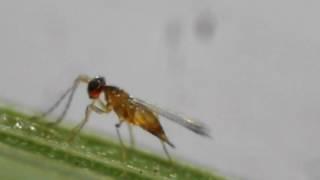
(129,109)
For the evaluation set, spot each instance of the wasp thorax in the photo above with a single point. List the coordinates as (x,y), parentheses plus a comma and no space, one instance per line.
(96,86)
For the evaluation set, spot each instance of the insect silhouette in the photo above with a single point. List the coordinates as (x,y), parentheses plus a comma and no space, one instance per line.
(131,110)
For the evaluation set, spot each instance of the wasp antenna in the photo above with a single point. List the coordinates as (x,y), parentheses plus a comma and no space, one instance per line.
(81,78)
(54,106)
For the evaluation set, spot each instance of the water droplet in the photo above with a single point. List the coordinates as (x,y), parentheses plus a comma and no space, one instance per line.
(112,160)
(42,134)
(18,125)
(130,166)
(23,143)
(64,145)
(173,175)
(111,152)
(51,155)
(18,119)
(134,159)
(32,128)
(102,153)
(3,117)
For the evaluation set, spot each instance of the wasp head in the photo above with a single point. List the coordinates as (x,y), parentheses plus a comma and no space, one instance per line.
(96,86)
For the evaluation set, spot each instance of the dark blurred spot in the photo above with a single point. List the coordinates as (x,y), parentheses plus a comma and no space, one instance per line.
(155,170)
(312,168)
(204,25)
(173,33)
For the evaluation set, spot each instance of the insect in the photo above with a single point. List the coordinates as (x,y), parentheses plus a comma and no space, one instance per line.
(131,110)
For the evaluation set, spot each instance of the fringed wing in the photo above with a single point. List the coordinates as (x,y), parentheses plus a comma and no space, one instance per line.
(191,124)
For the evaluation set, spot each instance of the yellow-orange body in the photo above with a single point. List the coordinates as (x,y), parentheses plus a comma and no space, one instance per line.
(134,113)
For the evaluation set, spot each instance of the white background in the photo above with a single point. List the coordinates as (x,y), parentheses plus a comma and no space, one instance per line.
(252,74)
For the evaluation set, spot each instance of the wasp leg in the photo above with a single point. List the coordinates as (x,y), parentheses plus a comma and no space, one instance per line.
(166,150)
(123,149)
(132,139)
(91,107)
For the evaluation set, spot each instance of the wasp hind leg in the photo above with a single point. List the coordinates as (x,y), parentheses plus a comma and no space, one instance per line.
(164,140)
(131,136)
(166,150)
(123,148)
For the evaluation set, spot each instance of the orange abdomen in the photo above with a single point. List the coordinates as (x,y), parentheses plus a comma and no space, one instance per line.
(148,121)
(134,113)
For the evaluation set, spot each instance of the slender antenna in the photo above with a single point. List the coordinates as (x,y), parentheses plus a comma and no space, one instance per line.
(66,108)
(80,78)
(52,108)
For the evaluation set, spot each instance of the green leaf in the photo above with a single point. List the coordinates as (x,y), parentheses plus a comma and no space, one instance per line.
(30,149)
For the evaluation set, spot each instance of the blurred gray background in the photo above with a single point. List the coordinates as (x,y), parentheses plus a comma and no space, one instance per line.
(249,69)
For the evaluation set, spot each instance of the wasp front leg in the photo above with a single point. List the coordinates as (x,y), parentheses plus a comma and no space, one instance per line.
(91,107)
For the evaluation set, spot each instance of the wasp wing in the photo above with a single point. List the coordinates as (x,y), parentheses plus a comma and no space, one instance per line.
(191,124)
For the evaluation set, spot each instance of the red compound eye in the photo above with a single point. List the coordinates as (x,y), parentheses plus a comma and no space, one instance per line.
(94,94)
